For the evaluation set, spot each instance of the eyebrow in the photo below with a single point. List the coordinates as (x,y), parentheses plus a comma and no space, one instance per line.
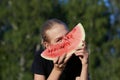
(61,36)
(67,33)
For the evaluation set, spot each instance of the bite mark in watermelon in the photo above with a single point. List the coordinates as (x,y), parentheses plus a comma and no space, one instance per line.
(68,45)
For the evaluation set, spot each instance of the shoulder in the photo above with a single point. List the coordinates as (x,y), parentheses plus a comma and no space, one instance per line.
(41,65)
(40,60)
(37,55)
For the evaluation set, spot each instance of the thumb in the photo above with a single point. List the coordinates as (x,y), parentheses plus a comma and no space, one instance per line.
(55,61)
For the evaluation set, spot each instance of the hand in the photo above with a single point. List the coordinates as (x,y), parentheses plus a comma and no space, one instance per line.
(82,53)
(60,62)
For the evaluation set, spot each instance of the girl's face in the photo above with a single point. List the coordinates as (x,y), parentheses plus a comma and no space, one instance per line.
(55,34)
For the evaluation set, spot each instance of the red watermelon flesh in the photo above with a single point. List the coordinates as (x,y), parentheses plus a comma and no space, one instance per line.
(68,45)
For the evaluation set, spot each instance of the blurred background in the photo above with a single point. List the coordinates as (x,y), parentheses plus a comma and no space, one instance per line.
(20,22)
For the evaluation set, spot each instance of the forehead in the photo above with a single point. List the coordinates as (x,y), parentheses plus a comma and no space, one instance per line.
(58,30)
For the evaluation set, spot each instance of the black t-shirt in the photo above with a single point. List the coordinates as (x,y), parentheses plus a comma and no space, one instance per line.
(44,67)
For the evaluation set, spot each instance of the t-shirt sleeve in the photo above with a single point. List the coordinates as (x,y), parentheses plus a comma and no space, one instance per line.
(38,65)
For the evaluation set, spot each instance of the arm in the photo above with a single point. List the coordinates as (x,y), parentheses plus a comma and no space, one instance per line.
(83,56)
(39,77)
(84,73)
(59,65)
(55,74)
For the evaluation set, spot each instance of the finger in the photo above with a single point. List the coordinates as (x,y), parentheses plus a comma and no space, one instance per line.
(67,58)
(61,65)
(82,55)
(80,51)
(61,59)
(79,54)
(83,41)
(81,47)
(55,61)
(84,44)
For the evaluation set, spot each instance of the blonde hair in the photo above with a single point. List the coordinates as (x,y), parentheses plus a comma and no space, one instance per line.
(48,25)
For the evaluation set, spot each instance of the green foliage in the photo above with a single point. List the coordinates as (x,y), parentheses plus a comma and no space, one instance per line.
(20,23)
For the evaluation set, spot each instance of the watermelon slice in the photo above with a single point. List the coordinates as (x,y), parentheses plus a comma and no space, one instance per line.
(68,45)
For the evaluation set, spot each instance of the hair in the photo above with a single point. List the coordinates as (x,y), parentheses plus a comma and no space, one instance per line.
(48,25)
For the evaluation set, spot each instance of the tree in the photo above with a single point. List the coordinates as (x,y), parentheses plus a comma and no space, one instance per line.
(20,23)
(100,36)
(22,20)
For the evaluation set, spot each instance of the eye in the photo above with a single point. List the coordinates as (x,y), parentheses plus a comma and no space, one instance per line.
(59,39)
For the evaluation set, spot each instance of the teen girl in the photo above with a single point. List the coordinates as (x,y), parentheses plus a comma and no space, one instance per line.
(73,67)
